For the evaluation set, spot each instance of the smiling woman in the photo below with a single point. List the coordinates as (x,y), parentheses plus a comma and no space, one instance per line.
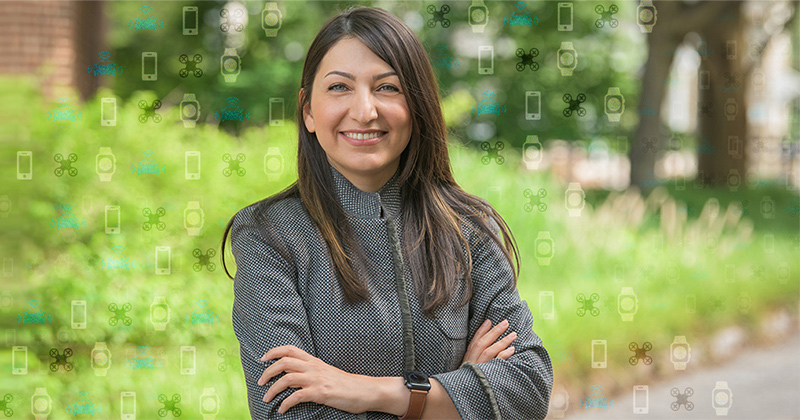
(368,288)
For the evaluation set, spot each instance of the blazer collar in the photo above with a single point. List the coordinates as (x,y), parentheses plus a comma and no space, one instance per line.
(367,205)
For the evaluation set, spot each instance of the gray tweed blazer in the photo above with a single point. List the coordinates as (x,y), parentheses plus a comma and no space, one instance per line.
(298,301)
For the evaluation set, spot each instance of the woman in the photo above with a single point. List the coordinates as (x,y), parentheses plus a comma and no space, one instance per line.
(329,306)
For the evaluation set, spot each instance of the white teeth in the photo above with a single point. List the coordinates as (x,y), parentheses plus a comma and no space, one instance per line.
(363,136)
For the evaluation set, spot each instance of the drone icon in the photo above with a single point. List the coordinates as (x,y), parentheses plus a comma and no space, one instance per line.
(641,353)
(233,164)
(681,399)
(149,111)
(527,59)
(588,304)
(606,16)
(191,65)
(535,199)
(574,105)
(66,164)
(438,16)
(492,153)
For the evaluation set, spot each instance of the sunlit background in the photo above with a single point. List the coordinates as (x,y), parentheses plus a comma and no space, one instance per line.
(645,155)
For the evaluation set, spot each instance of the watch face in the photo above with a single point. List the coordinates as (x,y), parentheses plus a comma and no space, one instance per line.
(680,353)
(273,164)
(193,218)
(614,103)
(271,19)
(189,110)
(209,404)
(105,163)
(532,151)
(627,304)
(230,64)
(721,398)
(646,14)
(40,405)
(5,205)
(730,108)
(100,359)
(544,249)
(478,15)
(567,59)
(159,313)
(574,199)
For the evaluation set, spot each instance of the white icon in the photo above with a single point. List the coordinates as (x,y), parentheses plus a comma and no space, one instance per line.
(564,16)
(149,66)
(599,354)
(78,314)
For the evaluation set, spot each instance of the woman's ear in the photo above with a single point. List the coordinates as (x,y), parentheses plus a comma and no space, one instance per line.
(308,117)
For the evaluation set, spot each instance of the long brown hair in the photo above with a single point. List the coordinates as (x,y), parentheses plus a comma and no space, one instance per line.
(433,204)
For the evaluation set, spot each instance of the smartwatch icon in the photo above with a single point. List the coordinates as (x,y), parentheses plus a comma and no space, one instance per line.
(614,104)
(567,58)
(646,15)
(478,15)
(5,206)
(532,152)
(190,110)
(159,313)
(575,199)
(230,65)
(627,303)
(680,352)
(271,19)
(193,218)
(721,398)
(101,358)
(41,404)
(544,248)
(734,180)
(731,109)
(209,403)
(105,164)
(273,163)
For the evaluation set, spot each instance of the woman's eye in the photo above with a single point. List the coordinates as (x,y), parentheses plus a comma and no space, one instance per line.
(336,86)
(392,88)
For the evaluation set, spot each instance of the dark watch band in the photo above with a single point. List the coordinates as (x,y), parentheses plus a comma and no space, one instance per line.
(415,405)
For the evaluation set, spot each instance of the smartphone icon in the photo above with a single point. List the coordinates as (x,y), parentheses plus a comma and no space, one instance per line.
(19,360)
(275,111)
(486,60)
(641,399)
(547,308)
(78,314)
(564,16)
(112,220)
(108,112)
(189,20)
(24,165)
(192,160)
(149,66)
(533,105)
(163,254)
(730,48)
(128,405)
(599,348)
(8,267)
(705,79)
(691,304)
(188,360)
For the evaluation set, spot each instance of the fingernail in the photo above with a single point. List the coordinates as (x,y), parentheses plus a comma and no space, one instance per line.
(513,334)
(504,323)
(512,348)
(485,323)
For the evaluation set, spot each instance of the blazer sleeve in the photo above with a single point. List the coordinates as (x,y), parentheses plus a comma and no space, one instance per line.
(517,388)
(268,312)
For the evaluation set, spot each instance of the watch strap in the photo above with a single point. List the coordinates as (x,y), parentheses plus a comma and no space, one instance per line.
(416,404)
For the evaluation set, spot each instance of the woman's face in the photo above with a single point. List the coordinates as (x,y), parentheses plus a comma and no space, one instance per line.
(359,113)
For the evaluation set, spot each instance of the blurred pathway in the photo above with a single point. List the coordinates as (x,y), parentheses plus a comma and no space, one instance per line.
(764,383)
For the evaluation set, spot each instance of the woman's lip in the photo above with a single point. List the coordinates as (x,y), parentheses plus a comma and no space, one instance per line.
(357,142)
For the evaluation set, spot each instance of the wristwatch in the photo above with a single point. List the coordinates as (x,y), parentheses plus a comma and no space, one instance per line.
(193,218)
(680,352)
(575,199)
(190,110)
(101,358)
(614,104)
(159,313)
(271,19)
(544,248)
(105,164)
(419,384)
(478,15)
(567,58)
(41,403)
(230,65)
(627,303)
(532,152)
(273,163)
(209,403)
(721,398)
(646,15)
(731,109)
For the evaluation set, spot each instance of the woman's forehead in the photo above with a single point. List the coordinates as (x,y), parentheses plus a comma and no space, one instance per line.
(350,55)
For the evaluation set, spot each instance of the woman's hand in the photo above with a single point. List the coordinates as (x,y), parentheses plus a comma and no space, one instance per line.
(320,382)
(481,349)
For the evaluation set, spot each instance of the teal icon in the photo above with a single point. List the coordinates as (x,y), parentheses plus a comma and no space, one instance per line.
(146,20)
(83,406)
(143,360)
(64,112)
(202,314)
(34,315)
(148,165)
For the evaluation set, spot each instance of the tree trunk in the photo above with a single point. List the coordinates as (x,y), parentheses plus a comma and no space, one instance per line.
(90,40)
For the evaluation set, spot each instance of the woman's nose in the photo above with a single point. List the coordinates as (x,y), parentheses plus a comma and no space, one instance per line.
(363,109)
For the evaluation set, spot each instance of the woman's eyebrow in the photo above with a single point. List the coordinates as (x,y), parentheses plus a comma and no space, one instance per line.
(351,77)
